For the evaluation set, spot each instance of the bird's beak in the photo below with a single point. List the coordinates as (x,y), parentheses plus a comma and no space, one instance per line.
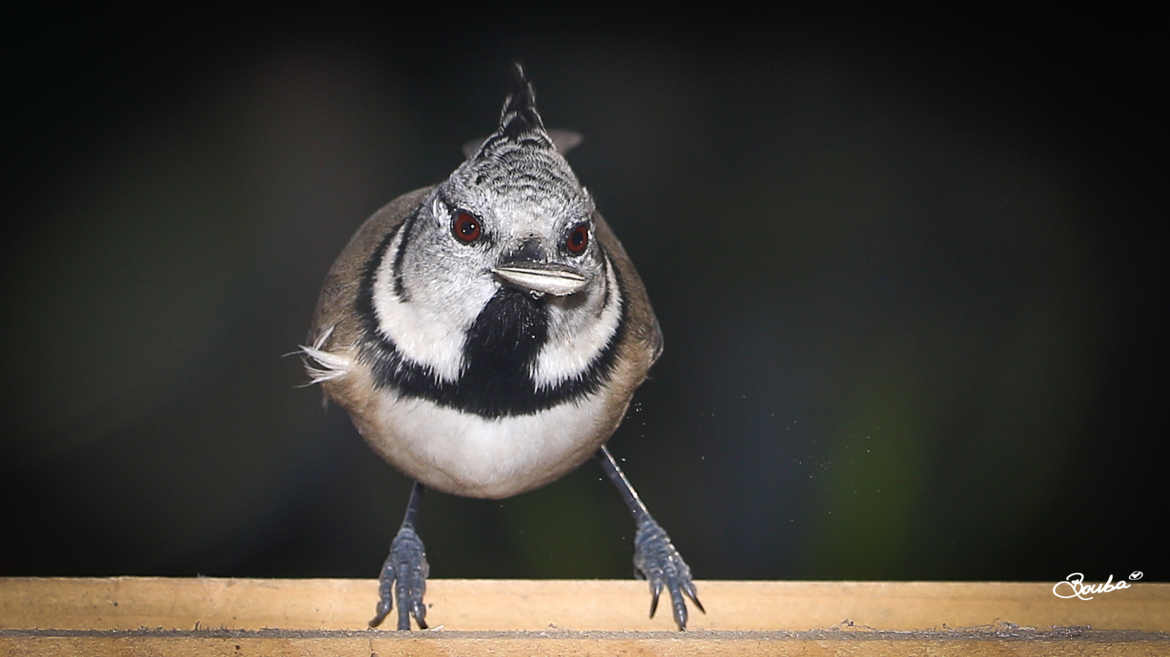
(543,278)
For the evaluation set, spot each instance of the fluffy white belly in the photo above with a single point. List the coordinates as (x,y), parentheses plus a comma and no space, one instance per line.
(468,455)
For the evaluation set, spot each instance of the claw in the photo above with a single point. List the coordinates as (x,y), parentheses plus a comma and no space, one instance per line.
(420,615)
(379,615)
(693,594)
(679,608)
(655,591)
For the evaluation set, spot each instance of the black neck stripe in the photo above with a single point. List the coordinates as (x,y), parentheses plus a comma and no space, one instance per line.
(499,351)
(407,225)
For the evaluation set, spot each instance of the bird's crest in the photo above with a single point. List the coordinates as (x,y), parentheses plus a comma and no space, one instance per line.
(520,123)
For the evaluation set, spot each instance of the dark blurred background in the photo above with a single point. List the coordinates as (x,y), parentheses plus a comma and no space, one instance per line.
(909,276)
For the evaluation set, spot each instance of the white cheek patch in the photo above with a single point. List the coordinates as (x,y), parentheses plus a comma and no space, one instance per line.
(576,338)
(422,337)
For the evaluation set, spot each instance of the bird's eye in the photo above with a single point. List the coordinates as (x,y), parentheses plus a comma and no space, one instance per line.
(578,239)
(465,227)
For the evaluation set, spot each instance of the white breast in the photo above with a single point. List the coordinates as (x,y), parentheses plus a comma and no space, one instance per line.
(469,455)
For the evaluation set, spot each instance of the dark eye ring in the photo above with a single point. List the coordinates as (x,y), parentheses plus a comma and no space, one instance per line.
(577,239)
(466,227)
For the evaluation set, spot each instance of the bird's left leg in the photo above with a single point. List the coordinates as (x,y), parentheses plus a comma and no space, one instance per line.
(404,575)
(655,557)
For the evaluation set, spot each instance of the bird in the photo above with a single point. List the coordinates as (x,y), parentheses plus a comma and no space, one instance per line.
(486,335)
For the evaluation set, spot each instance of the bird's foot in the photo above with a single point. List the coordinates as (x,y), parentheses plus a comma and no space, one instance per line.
(657,561)
(404,573)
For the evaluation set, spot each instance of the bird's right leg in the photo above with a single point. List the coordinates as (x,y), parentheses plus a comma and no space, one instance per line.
(655,557)
(405,572)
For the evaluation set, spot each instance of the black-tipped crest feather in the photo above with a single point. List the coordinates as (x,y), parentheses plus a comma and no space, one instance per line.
(519,115)
(520,122)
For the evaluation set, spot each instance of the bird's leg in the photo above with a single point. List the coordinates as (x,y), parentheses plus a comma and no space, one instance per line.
(655,557)
(405,571)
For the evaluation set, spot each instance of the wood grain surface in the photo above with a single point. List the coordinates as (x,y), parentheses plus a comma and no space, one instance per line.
(216,616)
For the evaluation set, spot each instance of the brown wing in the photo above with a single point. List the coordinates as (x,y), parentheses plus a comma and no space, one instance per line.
(644,344)
(335,306)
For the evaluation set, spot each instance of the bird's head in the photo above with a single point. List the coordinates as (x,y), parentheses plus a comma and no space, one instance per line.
(503,255)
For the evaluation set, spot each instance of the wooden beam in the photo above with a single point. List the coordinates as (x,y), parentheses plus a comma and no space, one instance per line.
(214,616)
